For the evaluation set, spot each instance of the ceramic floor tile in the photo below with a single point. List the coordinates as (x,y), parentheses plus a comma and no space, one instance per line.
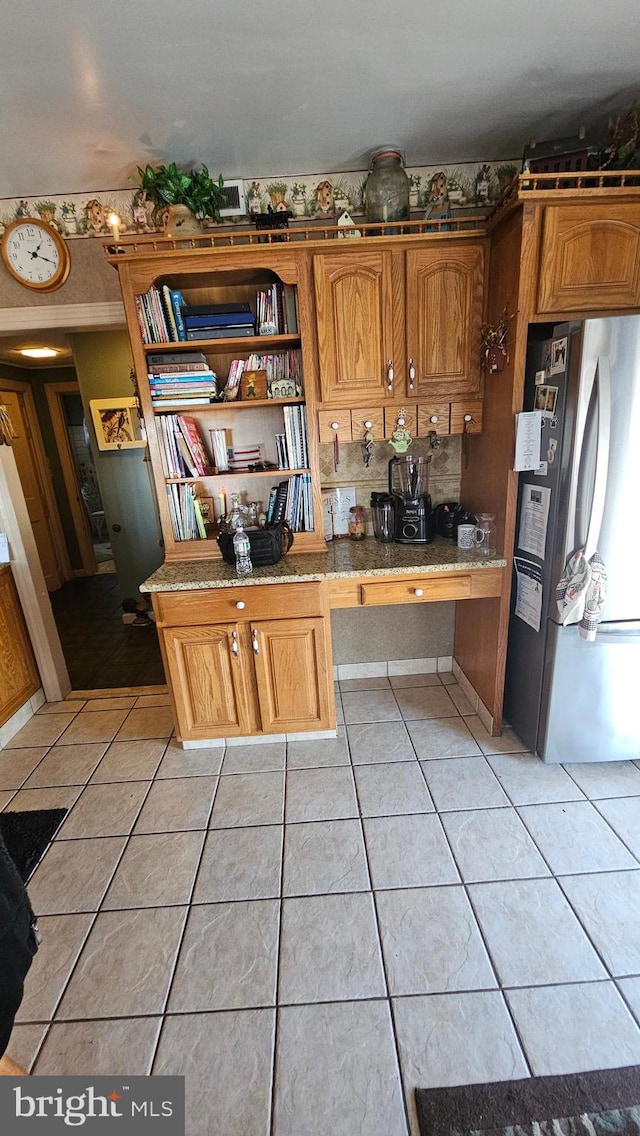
(406,682)
(116,1047)
(227,1062)
(99,726)
(398,787)
(126,964)
(149,722)
(630,990)
(608,906)
(323,752)
(247,799)
(156,870)
(17,764)
(179,762)
(431,942)
(370,706)
(425,702)
(146,700)
(324,856)
(408,851)
(228,957)
(624,818)
(566,1029)
(240,863)
(382,741)
(378,682)
(463,783)
(442,738)
(129,761)
(179,803)
(105,810)
(57,797)
(447,678)
(460,700)
(43,730)
(532,934)
(66,765)
(62,940)
(573,837)
(320,794)
(67,706)
(528,781)
(254,758)
(329,949)
(5,798)
(337,1071)
(24,1043)
(115,702)
(509,742)
(492,844)
(453,1039)
(606,778)
(74,875)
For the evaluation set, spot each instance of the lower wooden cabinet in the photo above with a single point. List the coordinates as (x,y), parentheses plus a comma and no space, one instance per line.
(250,677)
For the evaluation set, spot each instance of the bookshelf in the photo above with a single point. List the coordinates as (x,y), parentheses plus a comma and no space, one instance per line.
(250,425)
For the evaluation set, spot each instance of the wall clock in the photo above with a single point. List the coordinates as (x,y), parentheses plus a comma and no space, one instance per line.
(35,254)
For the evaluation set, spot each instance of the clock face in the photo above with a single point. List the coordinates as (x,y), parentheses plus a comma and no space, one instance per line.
(35,254)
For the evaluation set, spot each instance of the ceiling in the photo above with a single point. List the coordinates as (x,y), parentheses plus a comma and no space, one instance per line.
(91,89)
(10,346)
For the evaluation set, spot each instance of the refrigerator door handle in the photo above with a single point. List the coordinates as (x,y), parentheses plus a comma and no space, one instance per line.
(602,381)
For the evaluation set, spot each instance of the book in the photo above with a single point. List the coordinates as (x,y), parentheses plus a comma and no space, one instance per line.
(280,504)
(219,319)
(189,429)
(290,310)
(204,309)
(177,303)
(180,357)
(220,332)
(170,318)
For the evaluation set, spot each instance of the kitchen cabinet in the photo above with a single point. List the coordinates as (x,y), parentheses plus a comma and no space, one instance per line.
(18,671)
(394,323)
(247,674)
(589,258)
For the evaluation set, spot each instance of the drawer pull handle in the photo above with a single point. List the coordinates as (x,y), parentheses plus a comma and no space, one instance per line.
(254,643)
(434,418)
(234,644)
(368,424)
(241,605)
(335,425)
(418,591)
(390,374)
(412,374)
(468,417)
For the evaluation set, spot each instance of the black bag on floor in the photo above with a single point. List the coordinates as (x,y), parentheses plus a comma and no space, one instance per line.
(267,545)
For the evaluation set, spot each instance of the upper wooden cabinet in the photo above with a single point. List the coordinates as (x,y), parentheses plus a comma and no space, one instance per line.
(394,324)
(589,258)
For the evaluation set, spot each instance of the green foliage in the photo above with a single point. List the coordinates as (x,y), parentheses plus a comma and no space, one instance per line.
(46,206)
(68,209)
(170,185)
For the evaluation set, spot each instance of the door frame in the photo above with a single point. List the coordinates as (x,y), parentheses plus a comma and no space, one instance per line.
(43,469)
(54,393)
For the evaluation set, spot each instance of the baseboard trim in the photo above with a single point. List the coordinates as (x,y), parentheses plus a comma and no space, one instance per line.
(473,697)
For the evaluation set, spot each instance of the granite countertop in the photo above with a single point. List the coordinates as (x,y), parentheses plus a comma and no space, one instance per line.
(343,558)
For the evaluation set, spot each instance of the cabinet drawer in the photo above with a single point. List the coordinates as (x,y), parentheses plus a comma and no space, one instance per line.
(391,412)
(456,587)
(360,416)
(260,601)
(332,422)
(438,410)
(458,411)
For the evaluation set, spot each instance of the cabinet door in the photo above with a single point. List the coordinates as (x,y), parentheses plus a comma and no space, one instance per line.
(589,259)
(208,680)
(359,325)
(294,681)
(444,318)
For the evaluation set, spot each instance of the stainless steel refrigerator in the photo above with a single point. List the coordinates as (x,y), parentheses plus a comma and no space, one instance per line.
(569,699)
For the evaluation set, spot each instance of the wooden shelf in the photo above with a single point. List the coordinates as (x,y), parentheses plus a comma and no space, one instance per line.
(234,473)
(246,404)
(259,343)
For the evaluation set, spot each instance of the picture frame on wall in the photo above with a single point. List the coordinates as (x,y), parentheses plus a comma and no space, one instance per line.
(117,423)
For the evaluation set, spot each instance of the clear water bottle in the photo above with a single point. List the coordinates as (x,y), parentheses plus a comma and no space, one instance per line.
(242,550)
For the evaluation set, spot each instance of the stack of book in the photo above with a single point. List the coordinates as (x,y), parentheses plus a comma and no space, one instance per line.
(186,516)
(284,368)
(276,310)
(181,447)
(218,321)
(291,501)
(159,314)
(291,447)
(185,378)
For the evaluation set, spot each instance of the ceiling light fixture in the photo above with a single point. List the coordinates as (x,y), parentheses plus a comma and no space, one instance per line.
(39,352)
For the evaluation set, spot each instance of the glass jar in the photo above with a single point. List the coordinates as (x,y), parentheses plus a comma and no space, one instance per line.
(386,192)
(357,523)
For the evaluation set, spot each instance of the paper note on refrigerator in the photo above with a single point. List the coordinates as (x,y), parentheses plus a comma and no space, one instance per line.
(528,436)
(528,591)
(534,515)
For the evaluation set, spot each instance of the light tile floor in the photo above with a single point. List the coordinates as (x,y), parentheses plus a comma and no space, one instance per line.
(308,932)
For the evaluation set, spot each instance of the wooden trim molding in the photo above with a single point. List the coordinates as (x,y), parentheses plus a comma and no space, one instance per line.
(71,317)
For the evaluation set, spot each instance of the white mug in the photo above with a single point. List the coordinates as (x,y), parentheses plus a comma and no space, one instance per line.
(466,536)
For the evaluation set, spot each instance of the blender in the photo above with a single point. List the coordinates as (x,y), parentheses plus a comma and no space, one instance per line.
(409,486)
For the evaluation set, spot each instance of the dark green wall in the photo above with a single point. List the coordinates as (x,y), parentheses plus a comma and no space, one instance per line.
(38,379)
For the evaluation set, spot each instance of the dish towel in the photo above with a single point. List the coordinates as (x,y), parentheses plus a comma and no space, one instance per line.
(581,592)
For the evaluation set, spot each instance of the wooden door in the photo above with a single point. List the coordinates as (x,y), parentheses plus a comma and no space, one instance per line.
(589,259)
(208,680)
(32,481)
(294,681)
(19,677)
(444,288)
(360,325)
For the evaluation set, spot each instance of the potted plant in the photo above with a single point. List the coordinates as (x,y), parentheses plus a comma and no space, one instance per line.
(298,198)
(47,210)
(69,217)
(186,193)
(414,190)
(341,199)
(505,175)
(277,191)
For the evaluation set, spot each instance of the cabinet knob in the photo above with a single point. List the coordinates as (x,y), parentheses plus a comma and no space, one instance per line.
(434,418)
(335,425)
(368,425)
(468,417)
(390,375)
(241,605)
(412,374)
(418,591)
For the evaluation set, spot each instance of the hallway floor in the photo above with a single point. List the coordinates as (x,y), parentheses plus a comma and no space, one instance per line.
(99,649)
(309,931)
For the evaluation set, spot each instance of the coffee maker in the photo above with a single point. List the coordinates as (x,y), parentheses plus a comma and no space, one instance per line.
(409,486)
